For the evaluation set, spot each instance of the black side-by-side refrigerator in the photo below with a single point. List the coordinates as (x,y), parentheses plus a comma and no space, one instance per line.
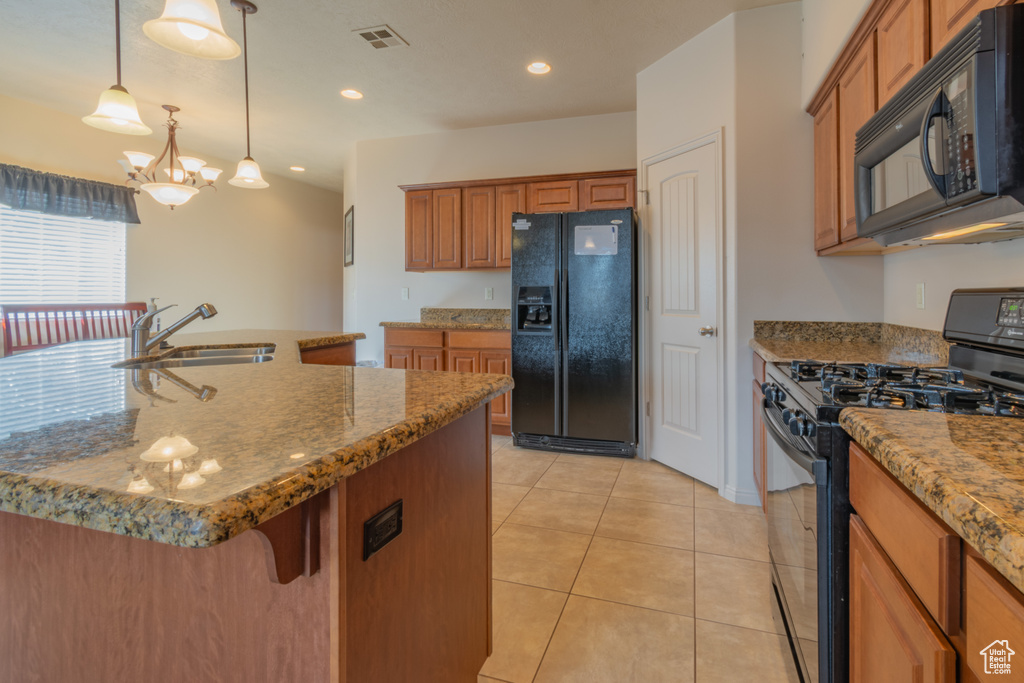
(574,332)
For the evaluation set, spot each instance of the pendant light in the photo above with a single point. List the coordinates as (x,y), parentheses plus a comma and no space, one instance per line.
(117,111)
(248,173)
(192,27)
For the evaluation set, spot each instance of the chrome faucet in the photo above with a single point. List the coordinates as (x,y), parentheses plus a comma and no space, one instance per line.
(142,343)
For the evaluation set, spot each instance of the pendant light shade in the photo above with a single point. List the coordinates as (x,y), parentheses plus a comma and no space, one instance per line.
(117,113)
(170,194)
(192,27)
(248,175)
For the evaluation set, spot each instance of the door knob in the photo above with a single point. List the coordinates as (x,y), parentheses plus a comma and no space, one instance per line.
(706,331)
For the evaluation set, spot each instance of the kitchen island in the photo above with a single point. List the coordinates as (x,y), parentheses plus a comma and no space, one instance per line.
(207,522)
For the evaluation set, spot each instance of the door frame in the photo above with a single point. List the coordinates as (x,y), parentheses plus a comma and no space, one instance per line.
(715,137)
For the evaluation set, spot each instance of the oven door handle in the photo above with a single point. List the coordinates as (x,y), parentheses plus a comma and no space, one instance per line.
(778,436)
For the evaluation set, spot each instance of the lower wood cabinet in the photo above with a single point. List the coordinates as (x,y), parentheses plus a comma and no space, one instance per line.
(760,442)
(892,637)
(995,623)
(488,351)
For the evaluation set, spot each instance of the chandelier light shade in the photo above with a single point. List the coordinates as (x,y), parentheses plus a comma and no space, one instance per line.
(117,111)
(192,27)
(184,174)
(247,174)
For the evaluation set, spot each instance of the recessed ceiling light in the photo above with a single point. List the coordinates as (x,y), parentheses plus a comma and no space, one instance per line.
(352,94)
(297,169)
(539,68)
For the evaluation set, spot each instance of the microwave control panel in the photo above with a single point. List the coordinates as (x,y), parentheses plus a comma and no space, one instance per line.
(962,175)
(1010,313)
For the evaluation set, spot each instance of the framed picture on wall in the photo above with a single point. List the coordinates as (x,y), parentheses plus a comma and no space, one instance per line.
(349,227)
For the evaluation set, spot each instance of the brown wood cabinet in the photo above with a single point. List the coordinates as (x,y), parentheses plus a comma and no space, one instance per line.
(760,443)
(468,225)
(949,16)
(857,102)
(902,45)
(995,620)
(487,351)
(826,173)
(892,637)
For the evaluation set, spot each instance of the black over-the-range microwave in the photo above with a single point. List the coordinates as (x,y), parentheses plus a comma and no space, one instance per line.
(943,161)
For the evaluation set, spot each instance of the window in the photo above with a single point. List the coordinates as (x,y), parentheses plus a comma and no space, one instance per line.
(48,259)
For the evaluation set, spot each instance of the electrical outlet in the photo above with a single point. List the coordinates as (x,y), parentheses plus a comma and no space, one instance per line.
(489,293)
(920,295)
(405,293)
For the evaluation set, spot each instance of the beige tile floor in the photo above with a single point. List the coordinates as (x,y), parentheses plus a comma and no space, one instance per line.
(618,571)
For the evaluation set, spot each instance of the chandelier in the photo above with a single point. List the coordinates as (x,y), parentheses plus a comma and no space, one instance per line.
(185,175)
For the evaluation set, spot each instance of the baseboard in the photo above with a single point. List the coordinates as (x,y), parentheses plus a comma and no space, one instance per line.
(741,496)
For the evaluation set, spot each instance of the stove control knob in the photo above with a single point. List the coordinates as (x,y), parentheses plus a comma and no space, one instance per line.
(765,386)
(779,395)
(787,416)
(801,427)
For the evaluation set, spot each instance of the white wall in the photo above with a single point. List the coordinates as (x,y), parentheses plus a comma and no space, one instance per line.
(592,143)
(743,75)
(265,258)
(827,24)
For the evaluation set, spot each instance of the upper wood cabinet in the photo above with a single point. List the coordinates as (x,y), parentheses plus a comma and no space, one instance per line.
(826,173)
(479,214)
(468,225)
(949,16)
(902,45)
(509,199)
(857,102)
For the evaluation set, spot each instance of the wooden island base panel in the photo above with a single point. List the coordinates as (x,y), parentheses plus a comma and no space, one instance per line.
(84,605)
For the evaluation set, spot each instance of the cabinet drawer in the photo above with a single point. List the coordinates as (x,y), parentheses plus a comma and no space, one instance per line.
(403,336)
(926,551)
(479,339)
(758,369)
(892,637)
(995,617)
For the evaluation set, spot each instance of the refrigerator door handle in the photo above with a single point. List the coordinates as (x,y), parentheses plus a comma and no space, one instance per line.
(556,316)
(564,355)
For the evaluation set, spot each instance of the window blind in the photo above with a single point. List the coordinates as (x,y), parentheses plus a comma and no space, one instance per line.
(47,259)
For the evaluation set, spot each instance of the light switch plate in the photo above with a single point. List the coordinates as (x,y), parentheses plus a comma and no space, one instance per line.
(488,293)
(920,295)
(405,293)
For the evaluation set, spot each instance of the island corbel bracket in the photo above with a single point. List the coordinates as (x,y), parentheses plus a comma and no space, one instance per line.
(292,541)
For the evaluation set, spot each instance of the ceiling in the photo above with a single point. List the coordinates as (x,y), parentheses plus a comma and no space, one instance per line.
(464,67)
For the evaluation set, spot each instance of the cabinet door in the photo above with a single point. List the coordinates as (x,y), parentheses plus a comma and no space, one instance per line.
(608,193)
(857,100)
(428,359)
(759,444)
(892,638)
(995,622)
(398,357)
(826,178)
(949,16)
(556,195)
(448,228)
(419,230)
(462,360)
(902,45)
(478,220)
(499,363)
(509,199)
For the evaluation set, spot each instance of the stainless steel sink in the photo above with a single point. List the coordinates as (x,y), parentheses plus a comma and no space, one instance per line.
(213,355)
(193,362)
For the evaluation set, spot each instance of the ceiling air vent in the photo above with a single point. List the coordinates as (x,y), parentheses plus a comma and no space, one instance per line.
(381,36)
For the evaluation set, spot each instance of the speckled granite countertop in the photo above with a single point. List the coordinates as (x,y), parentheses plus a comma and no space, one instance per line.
(969,470)
(783,341)
(459,319)
(246,441)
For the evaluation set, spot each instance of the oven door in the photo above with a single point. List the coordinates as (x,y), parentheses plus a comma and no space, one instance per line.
(796,507)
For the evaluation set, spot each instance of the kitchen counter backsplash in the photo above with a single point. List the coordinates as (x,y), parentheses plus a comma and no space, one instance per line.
(496,316)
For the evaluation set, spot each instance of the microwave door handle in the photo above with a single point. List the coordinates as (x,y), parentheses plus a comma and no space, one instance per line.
(938,182)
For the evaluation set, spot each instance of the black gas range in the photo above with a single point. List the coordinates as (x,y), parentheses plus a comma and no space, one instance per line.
(806,472)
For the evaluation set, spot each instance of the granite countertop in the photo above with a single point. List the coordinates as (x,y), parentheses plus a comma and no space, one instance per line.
(969,470)
(459,319)
(783,341)
(251,440)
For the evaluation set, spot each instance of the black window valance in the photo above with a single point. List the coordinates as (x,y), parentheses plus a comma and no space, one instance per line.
(27,190)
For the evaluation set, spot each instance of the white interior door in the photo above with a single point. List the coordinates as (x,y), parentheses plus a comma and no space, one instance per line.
(684,225)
